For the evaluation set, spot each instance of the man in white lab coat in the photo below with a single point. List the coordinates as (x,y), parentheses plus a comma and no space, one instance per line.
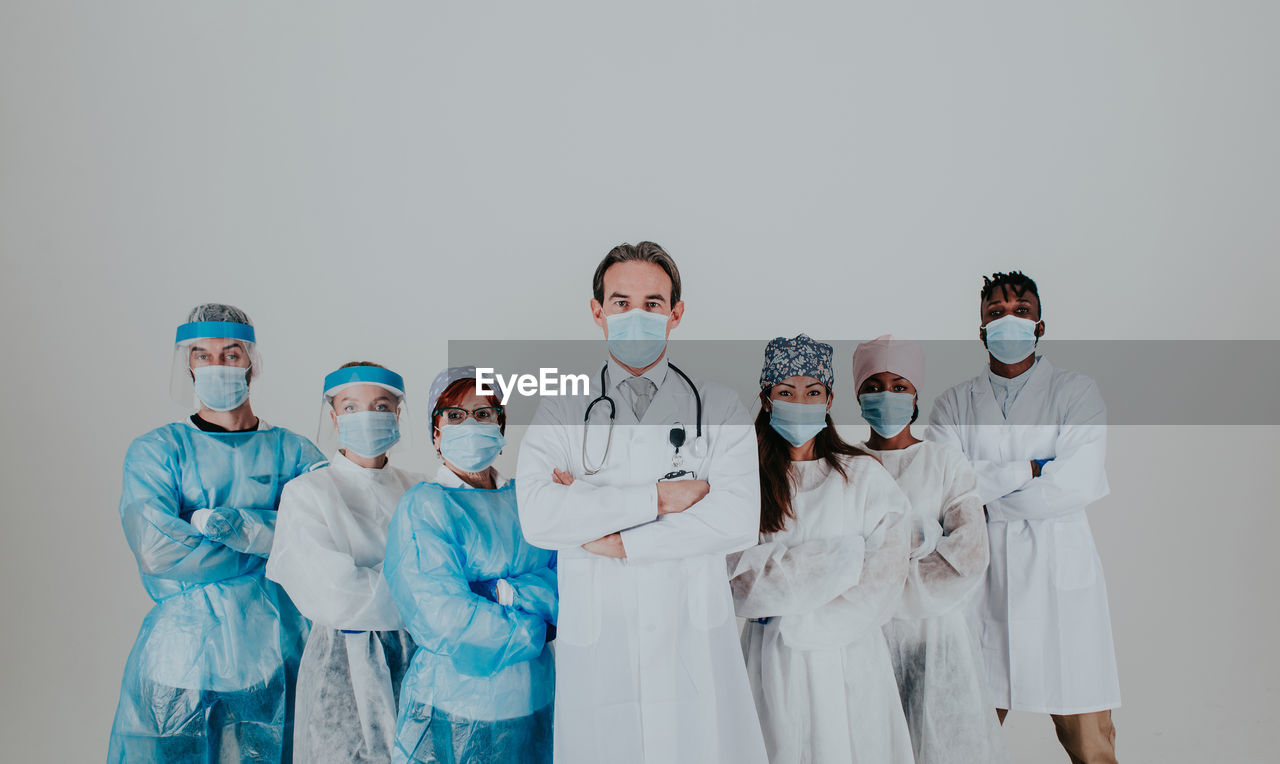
(1036,437)
(648,667)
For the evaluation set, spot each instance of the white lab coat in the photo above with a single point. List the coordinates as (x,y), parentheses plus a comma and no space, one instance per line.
(819,668)
(330,540)
(647,663)
(936,656)
(1045,628)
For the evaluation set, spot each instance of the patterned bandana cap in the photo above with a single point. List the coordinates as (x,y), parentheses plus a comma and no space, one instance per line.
(443,380)
(798,357)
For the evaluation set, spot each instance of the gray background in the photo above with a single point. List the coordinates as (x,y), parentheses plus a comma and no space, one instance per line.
(370,180)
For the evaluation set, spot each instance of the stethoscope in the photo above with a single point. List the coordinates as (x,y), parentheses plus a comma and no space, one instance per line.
(676,437)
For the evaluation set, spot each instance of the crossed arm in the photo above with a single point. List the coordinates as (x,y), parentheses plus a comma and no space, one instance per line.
(662,520)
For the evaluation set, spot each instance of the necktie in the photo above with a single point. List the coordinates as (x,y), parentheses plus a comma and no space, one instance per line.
(643,388)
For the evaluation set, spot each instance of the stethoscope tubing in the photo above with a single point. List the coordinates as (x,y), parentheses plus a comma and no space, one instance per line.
(613,412)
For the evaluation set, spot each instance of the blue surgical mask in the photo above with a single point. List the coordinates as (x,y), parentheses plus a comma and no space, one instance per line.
(471,446)
(888,413)
(221,388)
(1011,339)
(369,433)
(797,422)
(637,337)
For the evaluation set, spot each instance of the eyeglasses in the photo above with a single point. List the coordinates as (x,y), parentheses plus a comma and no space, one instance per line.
(458,415)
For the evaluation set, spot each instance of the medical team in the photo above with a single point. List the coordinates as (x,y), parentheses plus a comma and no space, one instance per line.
(900,595)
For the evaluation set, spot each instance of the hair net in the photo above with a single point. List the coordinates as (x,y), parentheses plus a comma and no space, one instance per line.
(216,311)
(443,380)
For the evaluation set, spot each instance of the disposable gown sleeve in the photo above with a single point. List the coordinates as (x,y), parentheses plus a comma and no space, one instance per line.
(959,561)
(426,571)
(165,545)
(994,478)
(554,516)
(536,592)
(727,519)
(868,605)
(773,579)
(1076,476)
(324,582)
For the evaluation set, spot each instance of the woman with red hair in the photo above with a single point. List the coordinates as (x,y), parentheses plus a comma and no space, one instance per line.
(478,599)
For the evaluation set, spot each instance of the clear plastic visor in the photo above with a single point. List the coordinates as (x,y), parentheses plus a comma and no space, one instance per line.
(192,353)
(354,397)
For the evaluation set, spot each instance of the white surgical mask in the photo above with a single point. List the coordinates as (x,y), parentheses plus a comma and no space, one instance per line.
(221,388)
(369,433)
(637,337)
(797,423)
(1011,339)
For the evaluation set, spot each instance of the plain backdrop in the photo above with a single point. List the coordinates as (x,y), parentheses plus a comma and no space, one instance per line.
(371,180)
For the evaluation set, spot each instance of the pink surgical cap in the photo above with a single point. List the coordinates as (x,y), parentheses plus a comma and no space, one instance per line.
(902,357)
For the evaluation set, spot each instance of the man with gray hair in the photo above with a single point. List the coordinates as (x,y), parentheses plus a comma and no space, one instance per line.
(210,677)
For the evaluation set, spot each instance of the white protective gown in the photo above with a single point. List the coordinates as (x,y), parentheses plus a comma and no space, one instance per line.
(819,668)
(330,540)
(647,663)
(1045,627)
(936,656)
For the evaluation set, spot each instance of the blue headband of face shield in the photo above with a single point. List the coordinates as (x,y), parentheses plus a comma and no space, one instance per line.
(229,329)
(372,375)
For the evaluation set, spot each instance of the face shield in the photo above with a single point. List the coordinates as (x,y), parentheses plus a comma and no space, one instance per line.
(363,410)
(214,362)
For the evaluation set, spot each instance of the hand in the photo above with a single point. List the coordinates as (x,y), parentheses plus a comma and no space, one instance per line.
(1036,465)
(608,546)
(215,524)
(561,477)
(496,590)
(505,592)
(679,495)
(200,519)
(219,524)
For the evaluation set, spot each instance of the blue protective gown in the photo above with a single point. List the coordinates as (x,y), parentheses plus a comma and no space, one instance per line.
(481,684)
(210,677)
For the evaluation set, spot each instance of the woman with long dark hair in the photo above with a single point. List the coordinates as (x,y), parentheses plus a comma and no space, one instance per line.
(826,576)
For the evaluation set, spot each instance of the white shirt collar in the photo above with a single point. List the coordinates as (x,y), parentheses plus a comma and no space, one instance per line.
(449,479)
(1015,383)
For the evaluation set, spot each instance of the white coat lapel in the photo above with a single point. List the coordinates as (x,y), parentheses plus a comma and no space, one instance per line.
(985,409)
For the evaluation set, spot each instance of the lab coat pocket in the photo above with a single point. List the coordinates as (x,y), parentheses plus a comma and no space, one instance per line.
(578,621)
(1075,563)
(710,603)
